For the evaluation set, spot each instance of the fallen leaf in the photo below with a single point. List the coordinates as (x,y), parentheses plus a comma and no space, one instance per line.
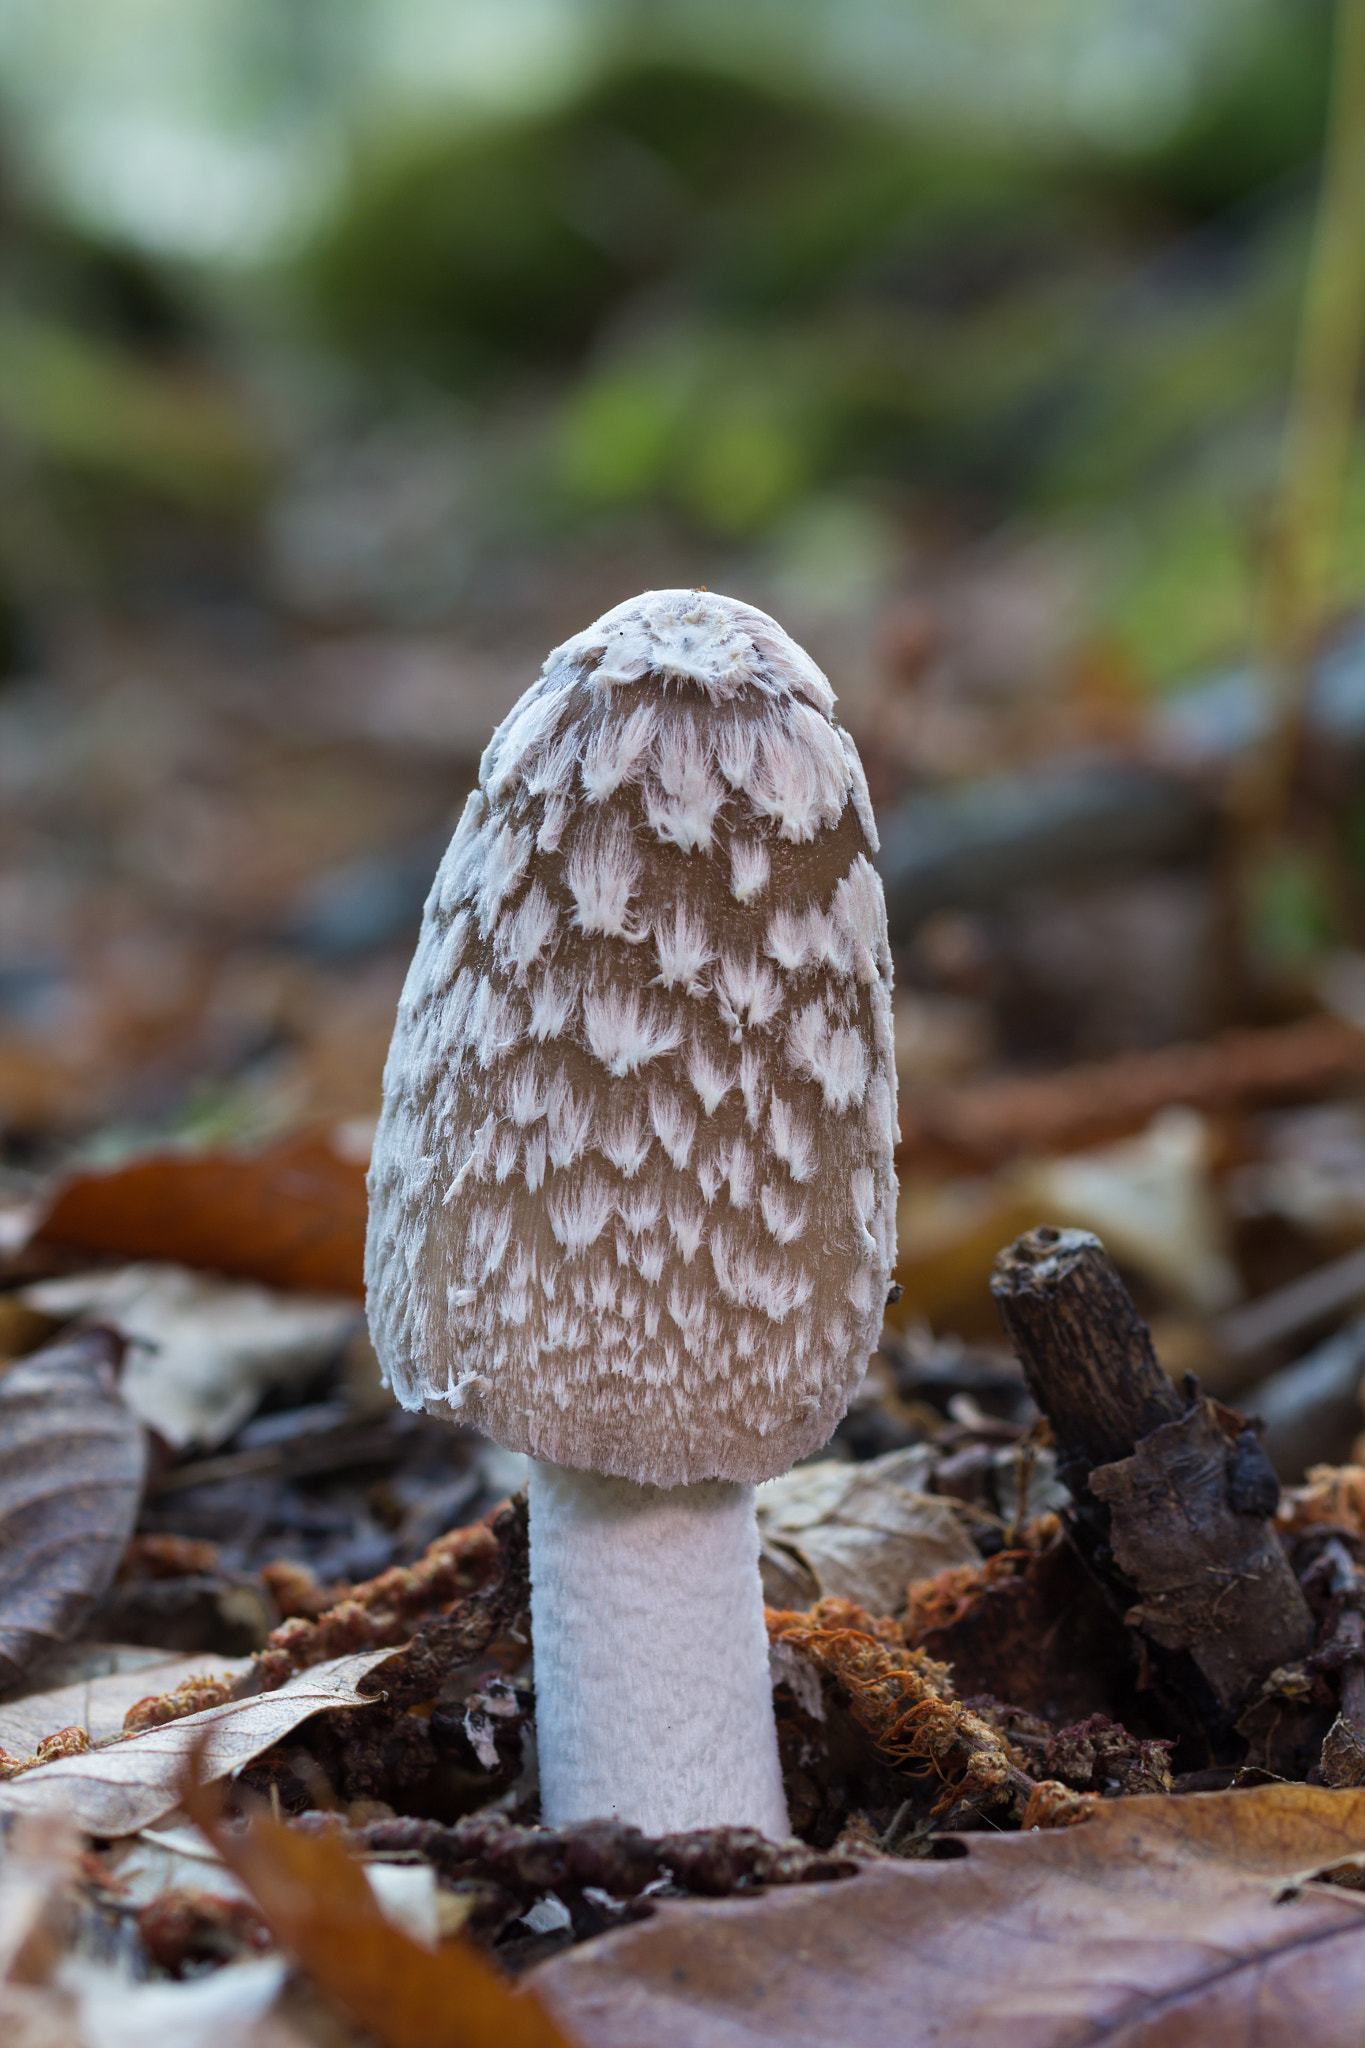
(202,1351)
(128,1784)
(72,1462)
(1159,1920)
(290,1216)
(99,1704)
(860,1532)
(317,1902)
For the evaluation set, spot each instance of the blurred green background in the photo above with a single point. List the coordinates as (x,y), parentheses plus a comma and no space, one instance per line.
(367,308)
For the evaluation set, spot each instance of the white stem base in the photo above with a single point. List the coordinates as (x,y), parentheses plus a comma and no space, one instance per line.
(653,1699)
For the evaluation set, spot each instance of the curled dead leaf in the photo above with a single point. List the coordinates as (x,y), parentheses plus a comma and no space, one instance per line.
(127,1784)
(315,1898)
(72,1462)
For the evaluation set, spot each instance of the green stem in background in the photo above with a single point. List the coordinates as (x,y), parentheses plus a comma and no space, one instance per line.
(1319,435)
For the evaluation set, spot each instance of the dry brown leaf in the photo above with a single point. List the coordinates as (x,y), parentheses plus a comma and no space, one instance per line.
(316,1900)
(860,1532)
(99,1704)
(128,1784)
(72,1461)
(1158,1923)
(291,1216)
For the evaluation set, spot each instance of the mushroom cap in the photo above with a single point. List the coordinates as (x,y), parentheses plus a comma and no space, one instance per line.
(632,1201)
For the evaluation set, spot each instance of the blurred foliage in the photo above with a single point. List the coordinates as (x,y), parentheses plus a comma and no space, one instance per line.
(736,297)
(725,302)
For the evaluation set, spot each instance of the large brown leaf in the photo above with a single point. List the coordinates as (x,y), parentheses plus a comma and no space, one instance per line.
(72,1461)
(1159,1923)
(292,1215)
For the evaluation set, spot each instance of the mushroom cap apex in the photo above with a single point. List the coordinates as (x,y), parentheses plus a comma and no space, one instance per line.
(719,643)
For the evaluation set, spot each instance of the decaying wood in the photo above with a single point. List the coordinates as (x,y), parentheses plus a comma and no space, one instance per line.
(985,1122)
(1184,1490)
(1213,1580)
(1087,1354)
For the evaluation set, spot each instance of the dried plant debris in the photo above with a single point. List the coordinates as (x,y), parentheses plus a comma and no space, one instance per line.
(72,1461)
(131,1781)
(201,1351)
(861,1532)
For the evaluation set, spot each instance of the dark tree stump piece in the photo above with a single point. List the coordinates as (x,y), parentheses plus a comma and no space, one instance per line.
(1086,1352)
(1169,1507)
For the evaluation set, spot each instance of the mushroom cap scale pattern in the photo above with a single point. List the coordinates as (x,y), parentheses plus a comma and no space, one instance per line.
(632,1201)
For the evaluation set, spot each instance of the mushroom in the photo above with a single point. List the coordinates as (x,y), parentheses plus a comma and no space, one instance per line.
(632,1202)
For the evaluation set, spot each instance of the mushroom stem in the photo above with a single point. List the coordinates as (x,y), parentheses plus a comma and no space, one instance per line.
(654,1702)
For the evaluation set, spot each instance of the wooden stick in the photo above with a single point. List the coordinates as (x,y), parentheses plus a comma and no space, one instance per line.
(1087,1354)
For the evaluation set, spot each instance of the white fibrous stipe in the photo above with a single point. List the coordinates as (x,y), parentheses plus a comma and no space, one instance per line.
(688,1311)
(625,1144)
(578,1212)
(751,1282)
(753,1084)
(749,869)
(783,1214)
(835,1057)
(684,950)
(862,801)
(505,1158)
(624,1035)
(792,1141)
(736,747)
(522,938)
(863,1190)
(568,1121)
(686,810)
(552,1006)
(858,915)
(525,1099)
(463,854)
(687,1225)
(796,939)
(740,1174)
(616,750)
(604,869)
(801,779)
(489,1230)
(649,1259)
(502,1025)
(558,812)
(750,994)
(639,1210)
(525,727)
(674,1124)
(711,1082)
(503,866)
